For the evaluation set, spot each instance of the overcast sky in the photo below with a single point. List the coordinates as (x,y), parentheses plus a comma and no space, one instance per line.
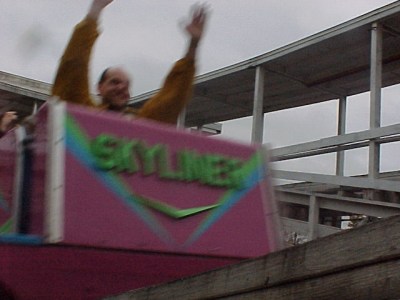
(146,38)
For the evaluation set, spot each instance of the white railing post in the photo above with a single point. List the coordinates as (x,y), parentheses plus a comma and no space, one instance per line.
(181,119)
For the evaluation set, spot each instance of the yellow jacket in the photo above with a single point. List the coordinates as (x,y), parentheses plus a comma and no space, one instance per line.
(72,82)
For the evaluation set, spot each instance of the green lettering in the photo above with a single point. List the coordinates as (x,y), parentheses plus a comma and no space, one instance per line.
(165,166)
(147,155)
(233,173)
(207,176)
(191,165)
(103,149)
(124,156)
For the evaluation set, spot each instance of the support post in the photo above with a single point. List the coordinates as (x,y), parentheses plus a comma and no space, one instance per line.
(181,119)
(258,114)
(375,96)
(341,130)
(313,218)
(55,164)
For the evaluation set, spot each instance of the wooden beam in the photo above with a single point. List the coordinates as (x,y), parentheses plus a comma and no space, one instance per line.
(362,263)
(302,228)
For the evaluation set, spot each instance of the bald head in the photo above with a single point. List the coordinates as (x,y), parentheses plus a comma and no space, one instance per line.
(113,87)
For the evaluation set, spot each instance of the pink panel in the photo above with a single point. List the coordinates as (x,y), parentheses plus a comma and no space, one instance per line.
(64,272)
(8,159)
(104,208)
(120,232)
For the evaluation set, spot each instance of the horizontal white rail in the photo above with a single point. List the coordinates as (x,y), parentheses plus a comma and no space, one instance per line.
(337,143)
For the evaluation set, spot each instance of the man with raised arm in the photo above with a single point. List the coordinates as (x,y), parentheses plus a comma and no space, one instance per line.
(72,81)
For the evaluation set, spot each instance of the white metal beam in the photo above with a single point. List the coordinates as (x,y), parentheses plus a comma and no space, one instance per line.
(360,136)
(375,96)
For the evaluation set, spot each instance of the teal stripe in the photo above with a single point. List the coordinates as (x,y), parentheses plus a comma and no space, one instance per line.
(6,227)
(255,174)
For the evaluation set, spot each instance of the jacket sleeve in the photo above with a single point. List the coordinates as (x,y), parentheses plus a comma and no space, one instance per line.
(175,93)
(72,82)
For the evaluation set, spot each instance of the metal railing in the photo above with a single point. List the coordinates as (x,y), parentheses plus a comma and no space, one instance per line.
(359,203)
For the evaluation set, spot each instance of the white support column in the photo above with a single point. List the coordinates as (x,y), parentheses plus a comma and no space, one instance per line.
(258,114)
(55,164)
(181,119)
(313,218)
(20,136)
(341,130)
(375,96)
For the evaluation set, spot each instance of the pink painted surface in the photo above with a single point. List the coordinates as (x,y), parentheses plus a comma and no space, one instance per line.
(7,173)
(64,272)
(95,215)
(113,244)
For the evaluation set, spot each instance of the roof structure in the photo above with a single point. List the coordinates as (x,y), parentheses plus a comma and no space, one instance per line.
(325,66)
(20,93)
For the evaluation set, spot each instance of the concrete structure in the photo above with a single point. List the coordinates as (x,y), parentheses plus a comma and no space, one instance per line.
(357,56)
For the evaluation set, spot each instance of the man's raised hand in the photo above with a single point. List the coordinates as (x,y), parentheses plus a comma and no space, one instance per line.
(96,8)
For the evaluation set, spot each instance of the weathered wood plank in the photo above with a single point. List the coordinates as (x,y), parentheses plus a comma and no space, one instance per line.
(370,253)
(302,227)
(375,282)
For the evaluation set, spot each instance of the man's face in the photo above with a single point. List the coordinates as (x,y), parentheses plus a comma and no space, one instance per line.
(114,89)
